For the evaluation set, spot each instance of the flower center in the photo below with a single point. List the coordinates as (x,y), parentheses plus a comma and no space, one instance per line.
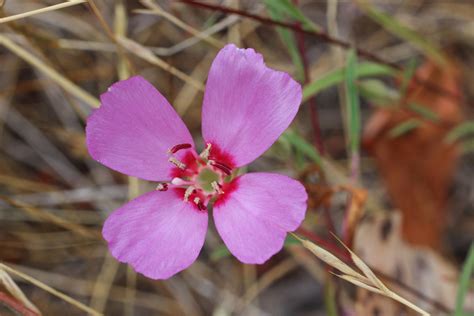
(200,179)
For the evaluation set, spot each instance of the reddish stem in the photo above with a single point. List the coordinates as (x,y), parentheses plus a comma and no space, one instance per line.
(312,101)
(324,37)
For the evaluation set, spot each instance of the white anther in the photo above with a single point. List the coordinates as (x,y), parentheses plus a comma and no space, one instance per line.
(196,200)
(216,187)
(188,193)
(206,152)
(177,163)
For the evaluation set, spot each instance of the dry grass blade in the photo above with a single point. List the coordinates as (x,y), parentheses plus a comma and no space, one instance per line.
(52,218)
(364,268)
(328,257)
(15,291)
(157,10)
(144,53)
(62,81)
(359,283)
(367,271)
(49,289)
(369,281)
(38,11)
(104,281)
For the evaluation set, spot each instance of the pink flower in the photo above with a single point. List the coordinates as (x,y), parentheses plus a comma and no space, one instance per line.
(136,131)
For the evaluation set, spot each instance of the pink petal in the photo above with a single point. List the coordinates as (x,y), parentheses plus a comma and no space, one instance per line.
(158,233)
(133,129)
(254,218)
(246,104)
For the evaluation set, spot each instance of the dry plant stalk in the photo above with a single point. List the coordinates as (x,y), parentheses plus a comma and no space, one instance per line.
(15,291)
(367,279)
(49,289)
(38,11)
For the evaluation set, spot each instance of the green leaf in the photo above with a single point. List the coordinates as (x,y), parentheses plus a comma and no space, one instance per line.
(460,131)
(285,6)
(403,32)
(464,281)
(302,145)
(404,128)
(377,92)
(353,106)
(408,74)
(424,111)
(288,38)
(332,78)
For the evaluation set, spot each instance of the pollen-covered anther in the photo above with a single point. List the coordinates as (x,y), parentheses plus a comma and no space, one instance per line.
(206,152)
(190,190)
(177,163)
(217,187)
(199,204)
(162,187)
(178,147)
(227,170)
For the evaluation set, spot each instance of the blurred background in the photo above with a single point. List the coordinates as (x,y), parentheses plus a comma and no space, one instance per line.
(383,142)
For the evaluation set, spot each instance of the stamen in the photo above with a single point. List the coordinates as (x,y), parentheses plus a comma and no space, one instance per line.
(190,190)
(217,187)
(162,187)
(199,204)
(206,152)
(177,163)
(178,147)
(227,170)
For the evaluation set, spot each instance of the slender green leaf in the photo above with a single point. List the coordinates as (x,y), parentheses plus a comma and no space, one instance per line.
(404,128)
(407,75)
(377,92)
(404,32)
(463,289)
(424,111)
(330,79)
(330,298)
(302,145)
(460,131)
(467,146)
(285,6)
(353,106)
(288,38)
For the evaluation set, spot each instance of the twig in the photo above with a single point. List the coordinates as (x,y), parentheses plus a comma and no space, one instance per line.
(312,101)
(63,82)
(324,37)
(42,10)
(50,290)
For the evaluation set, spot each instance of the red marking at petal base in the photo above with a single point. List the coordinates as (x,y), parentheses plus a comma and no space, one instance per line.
(189,159)
(218,155)
(227,188)
(200,206)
